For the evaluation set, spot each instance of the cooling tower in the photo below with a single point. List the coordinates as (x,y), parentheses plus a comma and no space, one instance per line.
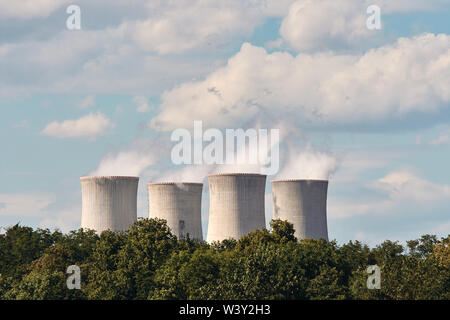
(180,204)
(108,203)
(236,205)
(304,204)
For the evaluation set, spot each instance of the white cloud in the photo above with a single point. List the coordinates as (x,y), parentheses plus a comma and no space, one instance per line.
(28,204)
(87,102)
(275,44)
(385,84)
(442,139)
(25,9)
(179,26)
(89,126)
(93,61)
(65,220)
(315,25)
(392,6)
(405,186)
(355,163)
(142,104)
(347,209)
(126,39)
(36,205)
(191,24)
(442,228)
(403,193)
(22,124)
(324,24)
(439,139)
(272,8)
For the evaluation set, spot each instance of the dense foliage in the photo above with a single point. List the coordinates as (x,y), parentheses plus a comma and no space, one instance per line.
(148,262)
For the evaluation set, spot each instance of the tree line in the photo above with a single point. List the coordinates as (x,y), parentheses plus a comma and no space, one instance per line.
(149,262)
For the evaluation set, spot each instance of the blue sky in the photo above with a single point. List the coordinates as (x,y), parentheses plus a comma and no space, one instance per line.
(369,109)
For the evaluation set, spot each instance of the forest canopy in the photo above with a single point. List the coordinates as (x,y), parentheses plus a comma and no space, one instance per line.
(149,262)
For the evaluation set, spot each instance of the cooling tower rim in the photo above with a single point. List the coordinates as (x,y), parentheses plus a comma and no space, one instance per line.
(173,183)
(299,180)
(237,174)
(109,177)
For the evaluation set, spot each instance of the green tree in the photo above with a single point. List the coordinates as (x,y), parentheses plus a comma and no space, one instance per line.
(282,231)
(39,286)
(327,285)
(148,262)
(19,246)
(103,279)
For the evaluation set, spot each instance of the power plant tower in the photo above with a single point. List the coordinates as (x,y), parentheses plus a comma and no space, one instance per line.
(108,203)
(180,204)
(236,205)
(304,204)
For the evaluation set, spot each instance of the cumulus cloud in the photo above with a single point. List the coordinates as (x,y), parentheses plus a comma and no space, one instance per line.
(25,9)
(93,61)
(22,124)
(443,139)
(442,228)
(354,164)
(324,24)
(403,193)
(179,26)
(405,186)
(36,205)
(28,204)
(87,102)
(390,6)
(385,84)
(142,104)
(90,126)
(137,40)
(65,219)
(54,64)
(188,24)
(316,25)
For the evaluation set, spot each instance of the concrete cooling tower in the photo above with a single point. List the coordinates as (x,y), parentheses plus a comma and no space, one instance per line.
(236,205)
(304,204)
(108,203)
(180,204)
